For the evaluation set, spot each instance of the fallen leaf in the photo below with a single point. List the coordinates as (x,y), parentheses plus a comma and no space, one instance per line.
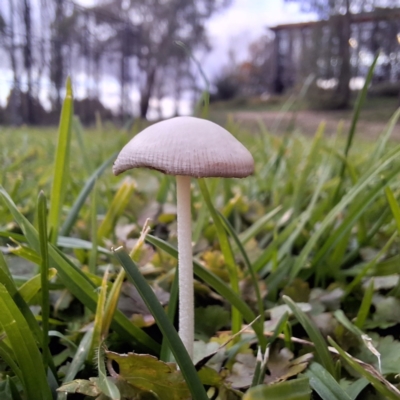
(325,323)
(146,373)
(202,350)
(130,301)
(381,282)
(329,299)
(281,365)
(389,350)
(386,309)
(277,312)
(82,386)
(242,372)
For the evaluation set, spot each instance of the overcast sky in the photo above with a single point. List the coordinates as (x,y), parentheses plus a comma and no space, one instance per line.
(243,22)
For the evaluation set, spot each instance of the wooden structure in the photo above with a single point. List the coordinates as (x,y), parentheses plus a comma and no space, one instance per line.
(312,47)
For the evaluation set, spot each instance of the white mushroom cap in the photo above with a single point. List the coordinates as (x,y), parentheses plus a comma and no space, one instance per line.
(186,146)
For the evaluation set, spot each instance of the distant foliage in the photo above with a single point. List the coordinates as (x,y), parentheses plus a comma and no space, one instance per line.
(226,88)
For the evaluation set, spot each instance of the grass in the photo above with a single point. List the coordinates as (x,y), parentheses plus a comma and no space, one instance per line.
(310,240)
(376,108)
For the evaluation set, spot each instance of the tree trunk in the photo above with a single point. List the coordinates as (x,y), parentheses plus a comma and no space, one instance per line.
(41,58)
(146,93)
(122,86)
(343,88)
(15,98)
(28,61)
(57,62)
(124,71)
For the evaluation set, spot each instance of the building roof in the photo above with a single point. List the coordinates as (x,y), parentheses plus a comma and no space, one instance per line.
(379,14)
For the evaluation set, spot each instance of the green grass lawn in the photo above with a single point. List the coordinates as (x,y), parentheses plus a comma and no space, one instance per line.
(376,108)
(314,239)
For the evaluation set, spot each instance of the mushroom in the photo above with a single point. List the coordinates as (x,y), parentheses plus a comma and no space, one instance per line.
(186,147)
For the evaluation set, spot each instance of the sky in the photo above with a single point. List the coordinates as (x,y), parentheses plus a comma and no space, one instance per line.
(242,23)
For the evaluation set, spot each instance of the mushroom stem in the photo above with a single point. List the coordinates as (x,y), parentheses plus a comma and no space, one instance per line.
(185,263)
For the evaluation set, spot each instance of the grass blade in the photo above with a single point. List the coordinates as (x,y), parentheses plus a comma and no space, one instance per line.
(84,290)
(297,389)
(22,306)
(44,272)
(199,222)
(106,385)
(366,269)
(356,388)
(309,163)
(80,356)
(258,376)
(112,302)
(357,109)
(97,338)
(341,317)
(165,354)
(178,349)
(367,371)
(30,288)
(24,348)
(226,251)
(93,229)
(362,95)
(116,208)
(288,236)
(361,185)
(314,335)
(365,306)
(84,193)
(324,383)
(75,243)
(78,283)
(13,389)
(253,275)
(61,165)
(258,226)
(7,356)
(394,206)
(384,138)
(4,266)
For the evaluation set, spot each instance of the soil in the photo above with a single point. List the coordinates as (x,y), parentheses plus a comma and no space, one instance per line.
(307,122)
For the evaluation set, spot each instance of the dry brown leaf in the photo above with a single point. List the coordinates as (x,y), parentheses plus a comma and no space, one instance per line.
(281,365)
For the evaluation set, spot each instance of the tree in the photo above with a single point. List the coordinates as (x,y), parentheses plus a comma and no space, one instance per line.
(15,98)
(57,59)
(132,41)
(254,74)
(63,33)
(249,78)
(28,58)
(160,25)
